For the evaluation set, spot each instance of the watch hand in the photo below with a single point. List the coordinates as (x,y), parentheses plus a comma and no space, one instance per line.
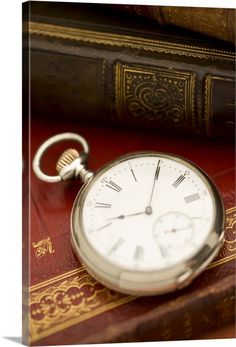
(176,229)
(122,216)
(154,182)
(104,226)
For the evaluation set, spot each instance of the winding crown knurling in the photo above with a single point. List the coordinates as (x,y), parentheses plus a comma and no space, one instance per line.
(66,158)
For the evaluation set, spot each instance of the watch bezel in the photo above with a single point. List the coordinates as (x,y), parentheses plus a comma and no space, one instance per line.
(146,282)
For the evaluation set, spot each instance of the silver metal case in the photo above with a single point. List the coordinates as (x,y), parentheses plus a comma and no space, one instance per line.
(146,282)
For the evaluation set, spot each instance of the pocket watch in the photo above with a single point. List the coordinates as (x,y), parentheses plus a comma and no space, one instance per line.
(146,223)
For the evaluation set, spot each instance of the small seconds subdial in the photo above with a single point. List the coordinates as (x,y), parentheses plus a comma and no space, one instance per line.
(172,231)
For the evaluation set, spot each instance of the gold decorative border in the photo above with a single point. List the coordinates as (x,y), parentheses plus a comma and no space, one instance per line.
(66,300)
(208,119)
(228,252)
(221,261)
(187,77)
(73,297)
(55,279)
(121,40)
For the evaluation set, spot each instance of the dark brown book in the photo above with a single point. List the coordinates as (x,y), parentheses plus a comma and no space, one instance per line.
(215,22)
(91,64)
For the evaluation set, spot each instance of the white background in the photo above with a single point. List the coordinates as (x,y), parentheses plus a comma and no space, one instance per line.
(10,169)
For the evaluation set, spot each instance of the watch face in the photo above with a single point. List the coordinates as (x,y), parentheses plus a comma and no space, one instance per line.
(147,212)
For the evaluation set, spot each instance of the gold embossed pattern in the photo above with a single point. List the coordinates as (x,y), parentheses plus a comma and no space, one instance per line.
(67,300)
(134,42)
(43,247)
(228,250)
(75,296)
(157,95)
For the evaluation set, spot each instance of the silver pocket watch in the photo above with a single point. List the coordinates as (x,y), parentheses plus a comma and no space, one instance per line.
(146,223)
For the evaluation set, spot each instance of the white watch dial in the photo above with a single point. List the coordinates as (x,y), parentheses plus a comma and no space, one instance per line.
(147,213)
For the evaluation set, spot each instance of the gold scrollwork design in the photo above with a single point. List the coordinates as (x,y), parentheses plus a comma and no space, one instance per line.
(75,296)
(43,247)
(230,225)
(155,94)
(69,300)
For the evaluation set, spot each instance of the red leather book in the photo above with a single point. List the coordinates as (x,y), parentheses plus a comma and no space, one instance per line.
(65,305)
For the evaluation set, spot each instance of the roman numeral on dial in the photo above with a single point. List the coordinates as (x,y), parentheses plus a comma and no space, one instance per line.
(178,181)
(118,243)
(138,254)
(113,186)
(132,171)
(102,204)
(191,198)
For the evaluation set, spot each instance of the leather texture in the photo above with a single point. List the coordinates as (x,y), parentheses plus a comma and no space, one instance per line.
(66,305)
(89,63)
(215,22)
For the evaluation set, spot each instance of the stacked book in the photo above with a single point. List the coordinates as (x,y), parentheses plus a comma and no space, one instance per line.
(128,78)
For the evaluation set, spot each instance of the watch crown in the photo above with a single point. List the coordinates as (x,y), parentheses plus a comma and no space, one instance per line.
(66,158)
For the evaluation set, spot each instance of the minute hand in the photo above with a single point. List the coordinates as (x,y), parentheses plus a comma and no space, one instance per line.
(154,181)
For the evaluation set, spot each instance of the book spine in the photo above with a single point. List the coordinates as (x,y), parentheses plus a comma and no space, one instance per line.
(215,22)
(132,81)
(184,318)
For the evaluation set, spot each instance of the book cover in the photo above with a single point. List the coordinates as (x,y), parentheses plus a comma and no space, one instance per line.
(66,305)
(88,63)
(215,22)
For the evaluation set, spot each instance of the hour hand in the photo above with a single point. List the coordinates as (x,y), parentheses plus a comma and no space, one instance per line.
(122,216)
